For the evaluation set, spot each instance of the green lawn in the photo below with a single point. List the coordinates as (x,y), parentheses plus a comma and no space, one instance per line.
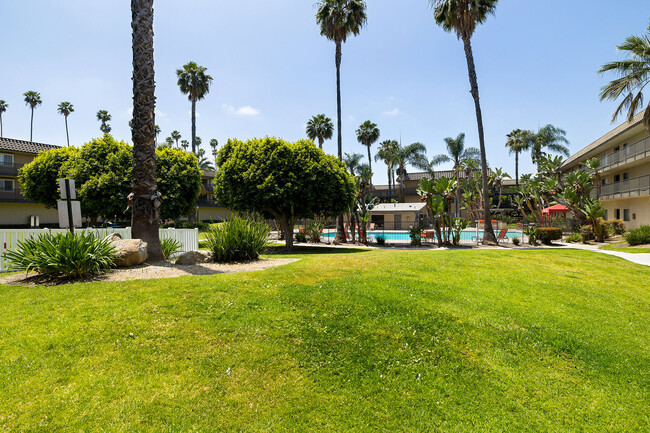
(613,247)
(348,341)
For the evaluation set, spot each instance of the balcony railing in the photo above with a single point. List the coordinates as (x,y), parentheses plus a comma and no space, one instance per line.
(633,152)
(204,201)
(13,196)
(10,170)
(634,187)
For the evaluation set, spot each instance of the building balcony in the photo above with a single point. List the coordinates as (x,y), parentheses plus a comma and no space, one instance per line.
(635,187)
(627,155)
(13,196)
(10,170)
(205,201)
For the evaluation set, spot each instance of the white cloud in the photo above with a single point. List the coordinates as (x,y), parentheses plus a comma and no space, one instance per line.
(246,110)
(160,113)
(351,118)
(393,112)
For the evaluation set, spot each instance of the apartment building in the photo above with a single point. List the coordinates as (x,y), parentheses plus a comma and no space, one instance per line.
(624,155)
(15,209)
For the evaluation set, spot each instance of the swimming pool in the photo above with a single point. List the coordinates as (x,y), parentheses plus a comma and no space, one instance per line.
(396,235)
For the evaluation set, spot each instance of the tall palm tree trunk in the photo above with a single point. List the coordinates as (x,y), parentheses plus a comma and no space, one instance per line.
(194,126)
(145,198)
(340,231)
(517,168)
(67,136)
(31,126)
(488,231)
(389,194)
(0,125)
(370,164)
(321,140)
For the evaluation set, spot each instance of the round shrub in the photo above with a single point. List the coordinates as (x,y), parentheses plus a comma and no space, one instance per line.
(515,241)
(548,234)
(301,237)
(67,254)
(640,236)
(381,239)
(238,239)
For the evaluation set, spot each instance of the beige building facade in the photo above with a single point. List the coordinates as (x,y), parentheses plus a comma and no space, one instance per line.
(624,155)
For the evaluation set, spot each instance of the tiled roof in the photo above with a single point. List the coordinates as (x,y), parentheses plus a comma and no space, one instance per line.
(13,145)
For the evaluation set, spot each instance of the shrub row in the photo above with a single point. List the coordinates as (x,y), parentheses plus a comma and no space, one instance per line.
(548,234)
(640,236)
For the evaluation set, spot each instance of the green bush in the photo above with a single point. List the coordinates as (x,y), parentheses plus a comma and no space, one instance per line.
(515,241)
(63,254)
(416,236)
(573,237)
(314,229)
(531,232)
(170,247)
(301,237)
(238,239)
(381,239)
(586,233)
(640,236)
(617,227)
(548,234)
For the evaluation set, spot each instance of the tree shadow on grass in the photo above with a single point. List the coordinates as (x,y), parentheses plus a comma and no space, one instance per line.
(306,249)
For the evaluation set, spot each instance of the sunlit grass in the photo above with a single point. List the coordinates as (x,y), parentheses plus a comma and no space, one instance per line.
(359,340)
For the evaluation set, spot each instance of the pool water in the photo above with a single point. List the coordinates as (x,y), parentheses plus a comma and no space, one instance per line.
(465,235)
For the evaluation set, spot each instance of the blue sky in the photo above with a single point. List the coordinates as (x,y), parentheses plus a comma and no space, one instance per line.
(537,63)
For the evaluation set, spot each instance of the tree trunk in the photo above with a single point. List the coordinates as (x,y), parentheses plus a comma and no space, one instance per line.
(0,124)
(194,126)
(488,231)
(287,223)
(370,164)
(517,168)
(340,231)
(145,198)
(31,126)
(389,195)
(67,136)
(320,142)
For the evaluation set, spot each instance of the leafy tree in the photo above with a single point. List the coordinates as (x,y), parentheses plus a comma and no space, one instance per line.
(282,180)
(457,153)
(39,179)
(634,73)
(387,153)
(339,19)
(3,108)
(104,117)
(65,108)
(195,83)
(144,198)
(33,100)
(462,17)
(368,134)
(175,135)
(179,182)
(321,128)
(518,141)
(548,137)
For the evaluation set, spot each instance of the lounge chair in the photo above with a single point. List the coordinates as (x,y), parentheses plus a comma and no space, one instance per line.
(501,238)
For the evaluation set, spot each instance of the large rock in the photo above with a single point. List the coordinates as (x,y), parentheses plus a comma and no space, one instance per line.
(114,237)
(194,258)
(130,252)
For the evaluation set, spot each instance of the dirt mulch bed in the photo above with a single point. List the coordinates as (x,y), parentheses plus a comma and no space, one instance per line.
(147,271)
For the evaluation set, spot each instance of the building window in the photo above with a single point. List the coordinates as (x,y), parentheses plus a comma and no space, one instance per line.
(617,178)
(618,214)
(603,182)
(626,214)
(6,185)
(6,159)
(626,176)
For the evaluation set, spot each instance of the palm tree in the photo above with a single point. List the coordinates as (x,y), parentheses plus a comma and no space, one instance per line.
(145,200)
(175,135)
(551,138)
(169,141)
(413,154)
(387,153)
(205,164)
(352,162)
(457,153)
(104,117)
(195,83)
(65,108)
(368,134)
(462,17)
(198,142)
(518,141)
(320,127)
(3,108)
(634,75)
(185,144)
(339,19)
(157,131)
(33,99)
(594,164)
(497,176)
(213,144)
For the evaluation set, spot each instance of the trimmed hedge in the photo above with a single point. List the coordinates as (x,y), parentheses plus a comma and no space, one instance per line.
(548,234)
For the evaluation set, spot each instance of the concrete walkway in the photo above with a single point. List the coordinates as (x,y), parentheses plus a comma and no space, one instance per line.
(640,258)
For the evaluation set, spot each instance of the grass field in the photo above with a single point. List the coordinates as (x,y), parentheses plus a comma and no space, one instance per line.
(617,247)
(343,341)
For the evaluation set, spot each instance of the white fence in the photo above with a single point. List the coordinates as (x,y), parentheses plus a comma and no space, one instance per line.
(9,238)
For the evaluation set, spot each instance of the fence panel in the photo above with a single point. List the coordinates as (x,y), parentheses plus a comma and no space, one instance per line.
(9,238)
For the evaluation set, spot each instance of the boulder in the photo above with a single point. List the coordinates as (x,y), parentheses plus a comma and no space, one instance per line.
(114,237)
(130,252)
(194,258)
